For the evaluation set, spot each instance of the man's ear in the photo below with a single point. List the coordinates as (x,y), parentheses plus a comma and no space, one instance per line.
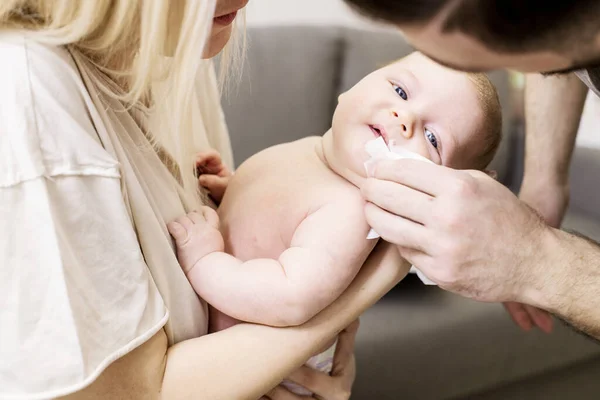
(493,174)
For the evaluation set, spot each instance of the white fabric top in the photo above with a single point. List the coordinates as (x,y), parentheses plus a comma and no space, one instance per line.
(87,267)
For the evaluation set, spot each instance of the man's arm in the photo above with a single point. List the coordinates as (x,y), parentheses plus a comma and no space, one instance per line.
(567,281)
(472,236)
(553,107)
(326,252)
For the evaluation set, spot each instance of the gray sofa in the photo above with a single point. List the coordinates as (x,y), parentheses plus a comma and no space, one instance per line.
(418,342)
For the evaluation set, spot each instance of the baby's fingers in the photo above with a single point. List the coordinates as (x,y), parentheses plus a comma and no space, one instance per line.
(197,217)
(209,162)
(216,185)
(211,216)
(178,231)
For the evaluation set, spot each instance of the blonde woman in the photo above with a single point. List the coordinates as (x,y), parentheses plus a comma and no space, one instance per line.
(102,106)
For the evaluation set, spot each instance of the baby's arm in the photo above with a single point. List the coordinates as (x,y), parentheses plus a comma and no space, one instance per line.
(213,174)
(327,250)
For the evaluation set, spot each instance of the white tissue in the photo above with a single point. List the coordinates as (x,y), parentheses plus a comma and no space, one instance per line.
(377,150)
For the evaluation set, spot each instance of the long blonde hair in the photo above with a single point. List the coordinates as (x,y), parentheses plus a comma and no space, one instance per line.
(130,40)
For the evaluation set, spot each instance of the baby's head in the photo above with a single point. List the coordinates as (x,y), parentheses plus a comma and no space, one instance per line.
(452,118)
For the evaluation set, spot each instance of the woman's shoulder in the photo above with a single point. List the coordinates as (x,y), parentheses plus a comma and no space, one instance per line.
(29,65)
(45,120)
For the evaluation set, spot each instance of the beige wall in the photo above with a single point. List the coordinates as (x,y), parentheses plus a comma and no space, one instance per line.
(317,12)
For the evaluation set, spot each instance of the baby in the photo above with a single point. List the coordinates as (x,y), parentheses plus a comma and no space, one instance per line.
(290,234)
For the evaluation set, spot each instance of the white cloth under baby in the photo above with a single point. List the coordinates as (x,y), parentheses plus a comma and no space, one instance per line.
(377,150)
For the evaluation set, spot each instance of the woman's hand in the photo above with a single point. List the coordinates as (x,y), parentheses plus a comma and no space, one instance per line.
(213,175)
(334,386)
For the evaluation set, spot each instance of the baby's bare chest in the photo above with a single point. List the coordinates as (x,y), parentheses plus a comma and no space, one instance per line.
(268,198)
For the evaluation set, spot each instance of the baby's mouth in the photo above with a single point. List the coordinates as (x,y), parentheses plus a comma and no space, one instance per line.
(379,131)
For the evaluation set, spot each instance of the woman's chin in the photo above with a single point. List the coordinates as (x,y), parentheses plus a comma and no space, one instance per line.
(217,42)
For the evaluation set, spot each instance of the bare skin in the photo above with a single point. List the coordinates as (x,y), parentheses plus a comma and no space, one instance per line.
(545,268)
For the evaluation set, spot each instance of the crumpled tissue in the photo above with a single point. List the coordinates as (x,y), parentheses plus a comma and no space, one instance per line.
(377,149)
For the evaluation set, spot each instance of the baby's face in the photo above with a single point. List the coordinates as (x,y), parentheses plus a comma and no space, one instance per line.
(415,103)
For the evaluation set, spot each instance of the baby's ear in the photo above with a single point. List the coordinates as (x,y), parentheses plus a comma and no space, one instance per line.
(493,174)
(340,97)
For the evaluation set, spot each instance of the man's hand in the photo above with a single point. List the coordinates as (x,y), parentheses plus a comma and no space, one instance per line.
(462,229)
(551,201)
(196,235)
(213,175)
(334,386)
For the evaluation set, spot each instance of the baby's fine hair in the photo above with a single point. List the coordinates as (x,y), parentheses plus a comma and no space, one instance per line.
(492,114)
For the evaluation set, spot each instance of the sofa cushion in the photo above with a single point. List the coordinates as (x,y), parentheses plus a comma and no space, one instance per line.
(420,342)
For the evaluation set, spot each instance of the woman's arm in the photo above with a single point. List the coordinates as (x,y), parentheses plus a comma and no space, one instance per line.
(246,361)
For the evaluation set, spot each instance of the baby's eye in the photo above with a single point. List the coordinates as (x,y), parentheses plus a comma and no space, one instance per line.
(431,137)
(400,92)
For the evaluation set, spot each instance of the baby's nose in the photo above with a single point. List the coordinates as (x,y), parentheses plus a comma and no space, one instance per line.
(404,122)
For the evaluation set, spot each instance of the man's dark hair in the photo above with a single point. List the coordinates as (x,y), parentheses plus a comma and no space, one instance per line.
(503,25)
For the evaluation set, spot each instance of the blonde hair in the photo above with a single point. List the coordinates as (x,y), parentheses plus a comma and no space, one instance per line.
(139,44)
(492,114)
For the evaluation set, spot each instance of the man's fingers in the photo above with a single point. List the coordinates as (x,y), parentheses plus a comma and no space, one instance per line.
(542,319)
(519,315)
(417,258)
(395,229)
(398,199)
(428,178)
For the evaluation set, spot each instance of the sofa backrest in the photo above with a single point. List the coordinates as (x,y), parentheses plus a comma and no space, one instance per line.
(294,74)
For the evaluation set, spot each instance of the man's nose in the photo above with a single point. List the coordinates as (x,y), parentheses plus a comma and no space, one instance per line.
(405,120)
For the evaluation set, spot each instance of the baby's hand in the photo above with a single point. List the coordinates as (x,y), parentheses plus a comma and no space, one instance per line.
(196,235)
(213,175)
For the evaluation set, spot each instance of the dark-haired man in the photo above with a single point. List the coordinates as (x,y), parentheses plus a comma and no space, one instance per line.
(464,230)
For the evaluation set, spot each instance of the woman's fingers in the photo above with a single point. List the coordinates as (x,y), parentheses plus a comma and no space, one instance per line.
(281,393)
(338,384)
(344,350)
(316,381)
